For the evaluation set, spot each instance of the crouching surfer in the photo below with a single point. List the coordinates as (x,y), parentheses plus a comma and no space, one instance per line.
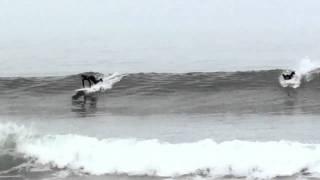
(84,92)
(289,78)
(288,75)
(90,78)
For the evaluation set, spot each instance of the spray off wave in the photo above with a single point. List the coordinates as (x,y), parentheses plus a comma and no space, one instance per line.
(106,84)
(305,71)
(154,158)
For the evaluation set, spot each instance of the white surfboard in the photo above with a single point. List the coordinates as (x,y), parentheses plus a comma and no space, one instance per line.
(87,91)
(107,84)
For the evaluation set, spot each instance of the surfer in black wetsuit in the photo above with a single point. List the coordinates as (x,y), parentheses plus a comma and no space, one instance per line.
(288,75)
(90,78)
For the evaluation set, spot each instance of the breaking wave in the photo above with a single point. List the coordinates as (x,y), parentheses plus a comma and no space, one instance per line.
(207,158)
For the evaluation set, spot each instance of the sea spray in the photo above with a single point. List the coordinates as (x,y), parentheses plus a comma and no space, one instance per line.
(305,70)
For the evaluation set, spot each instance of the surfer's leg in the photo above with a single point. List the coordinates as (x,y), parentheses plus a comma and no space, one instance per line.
(83,83)
(93,79)
(284,76)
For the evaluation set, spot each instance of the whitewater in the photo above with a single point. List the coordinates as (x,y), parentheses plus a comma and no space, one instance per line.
(208,158)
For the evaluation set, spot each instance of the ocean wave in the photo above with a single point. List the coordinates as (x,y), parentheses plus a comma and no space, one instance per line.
(162,83)
(248,92)
(207,158)
(153,83)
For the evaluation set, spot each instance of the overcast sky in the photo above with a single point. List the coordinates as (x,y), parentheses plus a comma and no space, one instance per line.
(158,35)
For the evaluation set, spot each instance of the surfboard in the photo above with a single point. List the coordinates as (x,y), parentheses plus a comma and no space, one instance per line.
(100,87)
(85,92)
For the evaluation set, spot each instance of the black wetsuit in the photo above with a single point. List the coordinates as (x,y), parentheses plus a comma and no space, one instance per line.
(288,76)
(90,79)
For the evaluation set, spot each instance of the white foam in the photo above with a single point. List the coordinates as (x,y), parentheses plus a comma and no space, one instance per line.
(152,157)
(305,66)
(295,82)
(10,132)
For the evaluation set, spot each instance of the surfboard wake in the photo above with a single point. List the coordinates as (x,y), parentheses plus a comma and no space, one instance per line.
(101,87)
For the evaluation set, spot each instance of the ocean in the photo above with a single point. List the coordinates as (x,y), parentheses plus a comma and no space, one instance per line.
(197,125)
(192,90)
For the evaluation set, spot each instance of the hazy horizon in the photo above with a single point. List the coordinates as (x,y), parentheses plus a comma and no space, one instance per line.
(61,37)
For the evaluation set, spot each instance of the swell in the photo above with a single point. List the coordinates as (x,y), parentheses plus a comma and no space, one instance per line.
(248,92)
(153,83)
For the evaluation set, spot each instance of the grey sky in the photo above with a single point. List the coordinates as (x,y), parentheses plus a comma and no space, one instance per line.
(156,35)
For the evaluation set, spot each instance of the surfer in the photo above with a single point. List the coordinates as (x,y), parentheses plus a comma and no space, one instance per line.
(90,78)
(287,75)
(289,79)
